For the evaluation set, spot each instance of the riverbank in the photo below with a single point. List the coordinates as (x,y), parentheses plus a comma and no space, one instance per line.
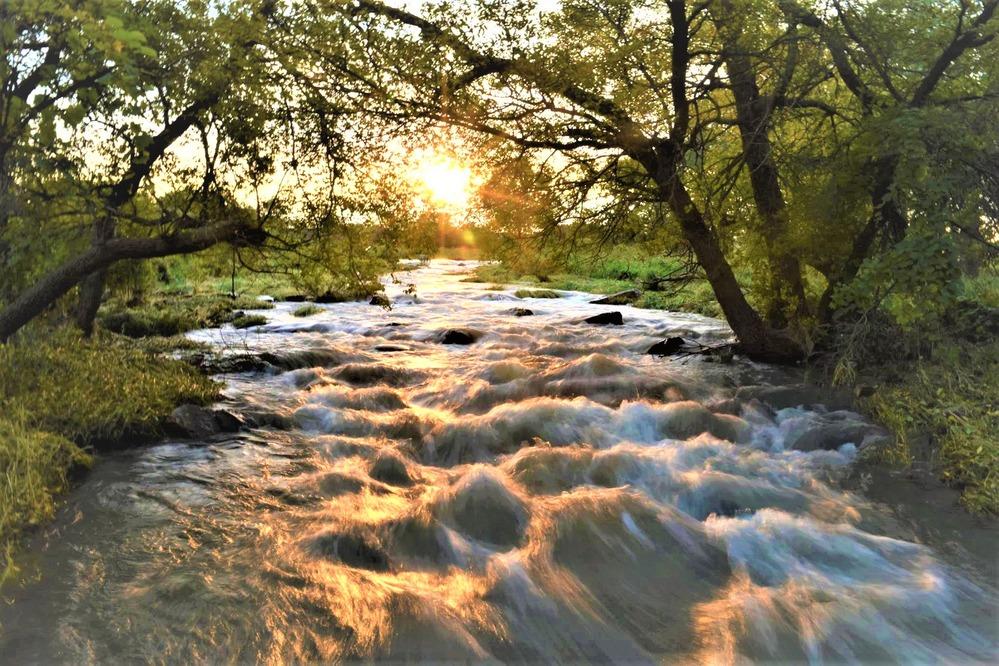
(61,398)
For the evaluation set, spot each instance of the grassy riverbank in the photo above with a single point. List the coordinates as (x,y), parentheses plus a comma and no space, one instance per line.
(611,276)
(62,396)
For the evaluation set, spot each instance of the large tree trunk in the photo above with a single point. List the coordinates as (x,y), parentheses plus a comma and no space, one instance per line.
(753,116)
(92,287)
(60,280)
(756,339)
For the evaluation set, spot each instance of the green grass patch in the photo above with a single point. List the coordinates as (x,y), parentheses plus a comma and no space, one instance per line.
(695,296)
(59,393)
(307,310)
(944,411)
(171,315)
(97,390)
(536,293)
(243,320)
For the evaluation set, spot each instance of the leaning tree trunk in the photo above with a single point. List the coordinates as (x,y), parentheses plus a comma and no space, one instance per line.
(756,339)
(33,301)
(753,116)
(92,287)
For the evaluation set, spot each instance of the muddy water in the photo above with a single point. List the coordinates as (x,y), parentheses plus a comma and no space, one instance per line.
(549,493)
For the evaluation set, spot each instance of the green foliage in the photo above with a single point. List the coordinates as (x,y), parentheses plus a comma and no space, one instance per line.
(34,469)
(917,280)
(307,310)
(536,293)
(94,391)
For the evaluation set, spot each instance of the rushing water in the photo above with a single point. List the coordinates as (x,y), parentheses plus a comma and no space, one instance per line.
(549,493)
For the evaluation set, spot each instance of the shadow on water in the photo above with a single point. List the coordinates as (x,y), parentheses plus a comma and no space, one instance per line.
(547,493)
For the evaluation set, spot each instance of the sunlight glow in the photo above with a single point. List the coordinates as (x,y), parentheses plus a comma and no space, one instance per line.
(444,181)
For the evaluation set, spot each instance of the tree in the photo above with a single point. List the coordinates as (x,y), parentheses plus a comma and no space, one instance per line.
(643,107)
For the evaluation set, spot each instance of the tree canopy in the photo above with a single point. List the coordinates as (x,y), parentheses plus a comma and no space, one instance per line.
(816,158)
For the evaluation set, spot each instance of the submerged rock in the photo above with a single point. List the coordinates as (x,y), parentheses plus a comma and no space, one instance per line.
(353,550)
(620,298)
(458,336)
(484,508)
(797,395)
(830,431)
(605,318)
(380,300)
(522,312)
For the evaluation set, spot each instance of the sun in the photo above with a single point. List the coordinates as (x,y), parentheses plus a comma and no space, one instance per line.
(444,182)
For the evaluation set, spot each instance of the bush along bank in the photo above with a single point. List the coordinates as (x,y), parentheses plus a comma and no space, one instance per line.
(62,397)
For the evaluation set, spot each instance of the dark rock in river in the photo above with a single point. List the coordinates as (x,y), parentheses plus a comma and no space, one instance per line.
(390,348)
(620,298)
(194,422)
(522,312)
(380,300)
(604,318)
(295,298)
(227,421)
(666,347)
(353,550)
(458,336)
(191,421)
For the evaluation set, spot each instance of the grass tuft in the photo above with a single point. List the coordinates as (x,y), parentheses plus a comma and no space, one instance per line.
(243,320)
(536,293)
(172,315)
(307,310)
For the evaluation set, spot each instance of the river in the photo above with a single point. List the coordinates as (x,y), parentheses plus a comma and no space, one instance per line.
(549,493)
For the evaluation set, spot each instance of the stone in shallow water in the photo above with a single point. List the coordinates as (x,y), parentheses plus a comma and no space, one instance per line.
(666,347)
(354,550)
(522,312)
(830,431)
(458,336)
(194,422)
(605,318)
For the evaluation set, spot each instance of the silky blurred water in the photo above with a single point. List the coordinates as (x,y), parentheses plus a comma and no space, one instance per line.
(547,494)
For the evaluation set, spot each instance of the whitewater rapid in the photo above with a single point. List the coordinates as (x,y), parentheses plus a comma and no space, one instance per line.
(549,493)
